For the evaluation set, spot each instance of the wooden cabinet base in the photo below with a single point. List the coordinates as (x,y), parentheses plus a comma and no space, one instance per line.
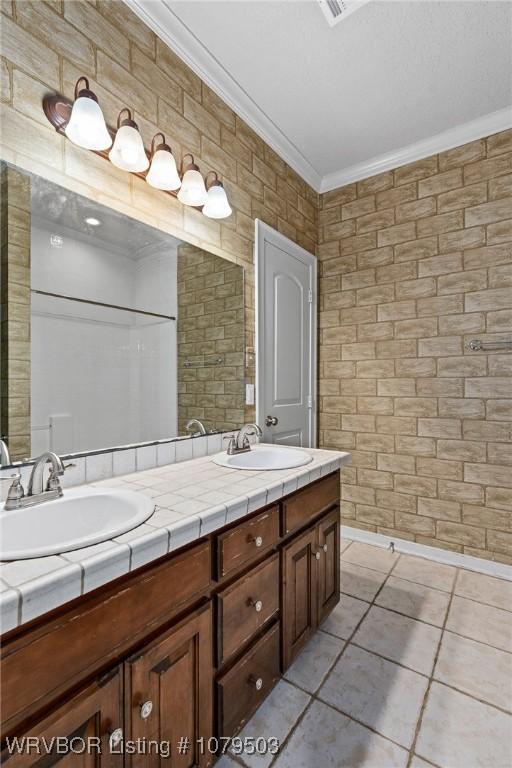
(184,648)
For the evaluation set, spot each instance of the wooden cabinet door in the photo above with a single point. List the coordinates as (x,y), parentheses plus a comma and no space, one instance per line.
(85,724)
(299,593)
(328,531)
(169,693)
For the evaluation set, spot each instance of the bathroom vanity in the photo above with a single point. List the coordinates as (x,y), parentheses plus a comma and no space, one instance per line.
(188,645)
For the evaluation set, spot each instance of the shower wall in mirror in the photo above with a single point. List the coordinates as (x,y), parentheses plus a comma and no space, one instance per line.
(129,331)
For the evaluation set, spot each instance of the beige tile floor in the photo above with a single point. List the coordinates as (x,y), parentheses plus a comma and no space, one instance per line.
(412,669)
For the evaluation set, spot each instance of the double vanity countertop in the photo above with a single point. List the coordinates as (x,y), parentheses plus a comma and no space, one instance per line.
(192,499)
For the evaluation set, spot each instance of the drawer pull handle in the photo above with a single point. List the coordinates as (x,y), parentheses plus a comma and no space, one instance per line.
(257,682)
(317,555)
(115,739)
(146,709)
(257,604)
(258,541)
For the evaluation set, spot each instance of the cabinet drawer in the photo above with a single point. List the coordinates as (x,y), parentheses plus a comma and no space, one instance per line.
(243,688)
(246,605)
(303,506)
(244,543)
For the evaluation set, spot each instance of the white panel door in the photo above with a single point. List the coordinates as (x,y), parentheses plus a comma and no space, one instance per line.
(286,336)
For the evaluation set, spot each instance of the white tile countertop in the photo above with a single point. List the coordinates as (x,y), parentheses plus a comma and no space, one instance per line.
(192,499)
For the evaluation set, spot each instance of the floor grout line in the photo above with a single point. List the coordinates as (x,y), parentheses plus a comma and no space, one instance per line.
(419,722)
(480,602)
(428,623)
(315,696)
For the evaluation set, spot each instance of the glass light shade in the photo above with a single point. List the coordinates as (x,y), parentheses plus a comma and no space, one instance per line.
(163,173)
(217,205)
(192,190)
(128,152)
(86,127)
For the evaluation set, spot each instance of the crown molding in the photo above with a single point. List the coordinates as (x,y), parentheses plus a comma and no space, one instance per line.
(486,125)
(159,17)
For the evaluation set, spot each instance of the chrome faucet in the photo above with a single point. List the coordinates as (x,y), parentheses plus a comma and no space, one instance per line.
(35,484)
(5,458)
(240,443)
(201,429)
(37,492)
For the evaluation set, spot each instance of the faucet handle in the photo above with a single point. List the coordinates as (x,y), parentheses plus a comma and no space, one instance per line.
(69,466)
(12,478)
(231,445)
(53,482)
(15,493)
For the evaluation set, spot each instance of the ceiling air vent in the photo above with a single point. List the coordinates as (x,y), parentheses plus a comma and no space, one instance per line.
(337,10)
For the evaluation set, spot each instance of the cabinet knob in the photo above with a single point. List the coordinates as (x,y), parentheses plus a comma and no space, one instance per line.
(257,604)
(257,682)
(115,738)
(146,709)
(317,555)
(324,547)
(258,541)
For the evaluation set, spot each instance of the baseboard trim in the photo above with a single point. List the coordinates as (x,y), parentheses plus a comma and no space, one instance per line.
(489,567)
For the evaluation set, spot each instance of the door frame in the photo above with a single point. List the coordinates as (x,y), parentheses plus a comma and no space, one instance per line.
(264,233)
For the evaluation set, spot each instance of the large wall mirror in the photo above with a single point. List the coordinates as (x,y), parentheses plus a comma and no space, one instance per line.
(114,332)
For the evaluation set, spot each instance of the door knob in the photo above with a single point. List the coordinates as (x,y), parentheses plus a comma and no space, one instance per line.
(324,547)
(257,604)
(271,421)
(317,555)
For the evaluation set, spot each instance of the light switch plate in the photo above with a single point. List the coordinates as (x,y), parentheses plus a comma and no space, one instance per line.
(249,394)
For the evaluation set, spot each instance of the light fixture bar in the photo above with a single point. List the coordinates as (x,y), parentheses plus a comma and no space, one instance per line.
(58,108)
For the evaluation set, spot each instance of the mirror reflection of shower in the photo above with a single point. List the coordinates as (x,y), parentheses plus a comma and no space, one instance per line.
(103,326)
(133,332)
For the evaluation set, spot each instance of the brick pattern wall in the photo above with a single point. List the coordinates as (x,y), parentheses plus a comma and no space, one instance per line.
(210,327)
(15,310)
(398,387)
(414,263)
(45,47)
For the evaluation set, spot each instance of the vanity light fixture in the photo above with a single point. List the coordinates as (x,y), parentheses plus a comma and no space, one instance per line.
(216,206)
(128,152)
(83,123)
(162,173)
(192,190)
(86,126)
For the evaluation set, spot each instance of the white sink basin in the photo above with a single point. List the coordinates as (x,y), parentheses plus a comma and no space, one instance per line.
(262,457)
(83,516)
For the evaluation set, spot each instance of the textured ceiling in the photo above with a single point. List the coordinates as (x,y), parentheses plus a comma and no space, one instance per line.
(56,206)
(390,75)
